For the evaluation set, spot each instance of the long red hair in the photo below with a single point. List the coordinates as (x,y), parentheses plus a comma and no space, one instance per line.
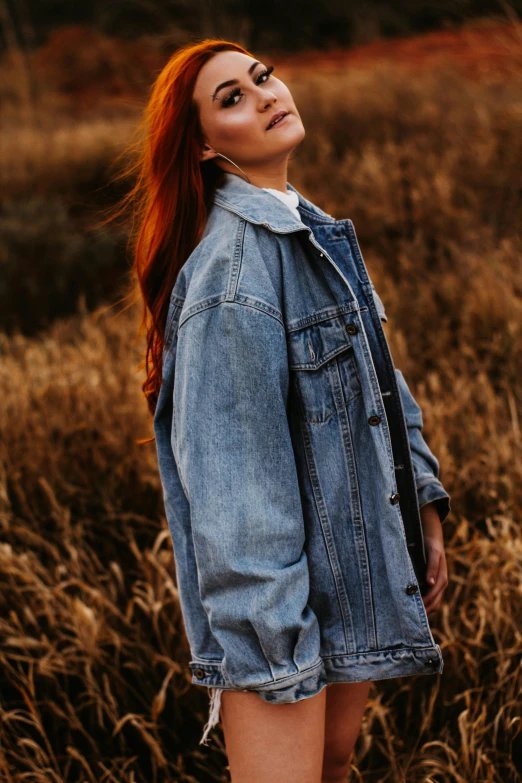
(171,196)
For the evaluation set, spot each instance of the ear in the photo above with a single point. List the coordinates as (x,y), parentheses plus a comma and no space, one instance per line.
(207,153)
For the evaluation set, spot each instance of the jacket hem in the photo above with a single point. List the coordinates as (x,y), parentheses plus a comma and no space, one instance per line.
(357,667)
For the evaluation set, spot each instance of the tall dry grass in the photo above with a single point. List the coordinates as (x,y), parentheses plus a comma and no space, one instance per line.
(95,685)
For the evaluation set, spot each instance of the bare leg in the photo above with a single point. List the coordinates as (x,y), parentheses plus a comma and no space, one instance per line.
(273,743)
(345,706)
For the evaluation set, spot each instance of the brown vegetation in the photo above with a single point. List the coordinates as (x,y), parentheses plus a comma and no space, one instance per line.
(95,684)
(481,49)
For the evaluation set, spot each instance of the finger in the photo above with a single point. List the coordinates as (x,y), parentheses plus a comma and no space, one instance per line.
(434,596)
(433,566)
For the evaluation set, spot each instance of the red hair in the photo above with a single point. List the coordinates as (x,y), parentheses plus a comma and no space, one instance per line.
(171,195)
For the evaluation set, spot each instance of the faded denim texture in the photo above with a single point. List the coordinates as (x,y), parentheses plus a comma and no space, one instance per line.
(292,459)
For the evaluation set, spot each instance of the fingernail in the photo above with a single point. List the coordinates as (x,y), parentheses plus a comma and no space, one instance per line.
(432,580)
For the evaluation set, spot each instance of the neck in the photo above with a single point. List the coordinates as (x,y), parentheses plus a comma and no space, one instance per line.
(274,176)
(264,181)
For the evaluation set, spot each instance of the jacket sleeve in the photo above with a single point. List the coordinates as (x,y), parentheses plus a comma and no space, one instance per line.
(425,464)
(236,459)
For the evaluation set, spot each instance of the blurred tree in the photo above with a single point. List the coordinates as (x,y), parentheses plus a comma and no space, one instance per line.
(288,26)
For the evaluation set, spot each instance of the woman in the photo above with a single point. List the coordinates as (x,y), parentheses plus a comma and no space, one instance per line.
(303,502)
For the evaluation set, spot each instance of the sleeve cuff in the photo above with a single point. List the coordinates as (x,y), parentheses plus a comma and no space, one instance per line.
(435,492)
(302,685)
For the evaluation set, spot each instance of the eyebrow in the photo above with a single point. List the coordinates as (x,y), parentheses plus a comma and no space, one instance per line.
(233,81)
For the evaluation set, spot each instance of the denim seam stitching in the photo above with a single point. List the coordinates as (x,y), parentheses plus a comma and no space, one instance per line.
(382,652)
(254,304)
(237,262)
(264,224)
(324,315)
(327,533)
(323,219)
(290,676)
(324,358)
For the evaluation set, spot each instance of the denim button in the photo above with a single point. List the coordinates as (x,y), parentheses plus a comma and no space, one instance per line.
(395,498)
(431,662)
(373,420)
(199,673)
(412,589)
(351,329)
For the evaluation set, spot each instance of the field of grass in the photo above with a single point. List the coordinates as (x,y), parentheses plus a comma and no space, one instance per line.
(94,678)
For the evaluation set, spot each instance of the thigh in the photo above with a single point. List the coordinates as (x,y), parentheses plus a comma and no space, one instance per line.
(345,706)
(272,743)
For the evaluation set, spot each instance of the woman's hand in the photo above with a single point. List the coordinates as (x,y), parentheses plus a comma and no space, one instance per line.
(437,571)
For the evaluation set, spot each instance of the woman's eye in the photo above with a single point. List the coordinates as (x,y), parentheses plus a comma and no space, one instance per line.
(266,73)
(228,100)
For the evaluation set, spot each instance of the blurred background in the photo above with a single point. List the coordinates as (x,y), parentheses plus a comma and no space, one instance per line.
(413,116)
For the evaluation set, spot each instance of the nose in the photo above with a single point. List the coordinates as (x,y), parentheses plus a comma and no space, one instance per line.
(265,96)
(267,102)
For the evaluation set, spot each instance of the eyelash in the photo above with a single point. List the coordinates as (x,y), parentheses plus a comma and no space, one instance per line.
(236,91)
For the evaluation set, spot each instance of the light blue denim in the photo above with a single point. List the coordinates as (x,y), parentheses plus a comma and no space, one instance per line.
(292,459)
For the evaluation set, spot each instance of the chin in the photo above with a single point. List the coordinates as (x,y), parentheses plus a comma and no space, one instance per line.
(295,138)
(302,134)
(298,131)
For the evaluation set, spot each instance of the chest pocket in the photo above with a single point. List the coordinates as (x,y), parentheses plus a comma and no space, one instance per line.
(323,367)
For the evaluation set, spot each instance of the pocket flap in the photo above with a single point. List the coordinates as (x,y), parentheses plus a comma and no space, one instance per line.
(313,345)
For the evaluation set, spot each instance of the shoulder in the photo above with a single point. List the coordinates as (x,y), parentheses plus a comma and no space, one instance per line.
(236,260)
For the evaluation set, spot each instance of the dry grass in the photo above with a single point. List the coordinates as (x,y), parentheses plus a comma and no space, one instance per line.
(57,158)
(92,642)
(95,684)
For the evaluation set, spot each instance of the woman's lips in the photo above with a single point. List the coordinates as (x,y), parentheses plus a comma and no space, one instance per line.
(279,122)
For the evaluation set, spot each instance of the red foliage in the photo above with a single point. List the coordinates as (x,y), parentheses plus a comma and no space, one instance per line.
(480,50)
(90,66)
(94,69)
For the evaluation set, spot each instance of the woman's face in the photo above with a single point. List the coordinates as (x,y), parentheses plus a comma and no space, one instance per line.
(235,117)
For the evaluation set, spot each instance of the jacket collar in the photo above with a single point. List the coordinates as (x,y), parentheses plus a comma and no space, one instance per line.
(258,206)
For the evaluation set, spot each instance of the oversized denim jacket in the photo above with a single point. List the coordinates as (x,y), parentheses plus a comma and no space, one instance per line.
(291,458)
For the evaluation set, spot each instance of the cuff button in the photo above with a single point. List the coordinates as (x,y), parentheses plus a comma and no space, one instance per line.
(199,673)
(412,589)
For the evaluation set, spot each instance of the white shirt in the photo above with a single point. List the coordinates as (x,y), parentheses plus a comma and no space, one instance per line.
(290,198)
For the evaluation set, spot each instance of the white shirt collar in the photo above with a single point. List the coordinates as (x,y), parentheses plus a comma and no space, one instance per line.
(290,198)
